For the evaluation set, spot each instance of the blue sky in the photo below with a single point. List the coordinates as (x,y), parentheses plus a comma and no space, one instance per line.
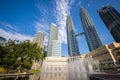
(22,19)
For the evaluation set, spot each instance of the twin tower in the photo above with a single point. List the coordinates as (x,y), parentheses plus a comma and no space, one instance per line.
(91,34)
(108,14)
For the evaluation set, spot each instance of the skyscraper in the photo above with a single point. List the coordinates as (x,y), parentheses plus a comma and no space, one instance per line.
(73,49)
(91,34)
(39,39)
(52,36)
(111,18)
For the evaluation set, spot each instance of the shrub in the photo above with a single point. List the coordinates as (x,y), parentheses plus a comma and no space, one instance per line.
(2,70)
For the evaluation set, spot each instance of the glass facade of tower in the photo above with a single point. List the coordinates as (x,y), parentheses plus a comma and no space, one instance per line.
(111,19)
(53,36)
(73,49)
(91,34)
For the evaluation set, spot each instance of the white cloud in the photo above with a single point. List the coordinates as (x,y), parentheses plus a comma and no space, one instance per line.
(79,3)
(88,4)
(42,26)
(11,32)
(13,36)
(62,9)
(9,26)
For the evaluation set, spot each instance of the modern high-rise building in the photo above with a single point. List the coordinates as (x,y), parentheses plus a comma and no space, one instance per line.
(73,49)
(91,34)
(52,36)
(56,48)
(111,18)
(39,39)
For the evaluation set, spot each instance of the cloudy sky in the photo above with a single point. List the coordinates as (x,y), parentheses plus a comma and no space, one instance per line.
(22,19)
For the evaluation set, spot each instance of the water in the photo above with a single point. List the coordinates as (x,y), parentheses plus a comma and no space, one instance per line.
(79,69)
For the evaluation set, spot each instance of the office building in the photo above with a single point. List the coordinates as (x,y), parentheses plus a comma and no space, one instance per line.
(52,36)
(111,18)
(73,49)
(91,34)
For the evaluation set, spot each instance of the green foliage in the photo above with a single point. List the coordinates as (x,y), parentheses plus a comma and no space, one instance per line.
(2,70)
(18,56)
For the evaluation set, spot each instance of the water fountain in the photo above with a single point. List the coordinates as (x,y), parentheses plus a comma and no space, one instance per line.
(66,68)
(79,69)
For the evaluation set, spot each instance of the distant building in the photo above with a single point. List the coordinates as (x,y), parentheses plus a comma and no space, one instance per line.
(52,36)
(56,48)
(107,54)
(39,39)
(2,40)
(73,49)
(91,34)
(111,18)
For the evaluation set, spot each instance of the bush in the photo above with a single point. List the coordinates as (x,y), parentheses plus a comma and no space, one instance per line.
(2,70)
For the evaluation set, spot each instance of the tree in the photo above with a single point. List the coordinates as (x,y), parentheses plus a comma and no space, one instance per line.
(28,52)
(17,55)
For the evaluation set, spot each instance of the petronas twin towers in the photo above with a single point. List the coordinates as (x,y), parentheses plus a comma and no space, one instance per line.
(91,34)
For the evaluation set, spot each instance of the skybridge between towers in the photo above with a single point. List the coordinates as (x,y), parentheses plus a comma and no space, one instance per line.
(80,34)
